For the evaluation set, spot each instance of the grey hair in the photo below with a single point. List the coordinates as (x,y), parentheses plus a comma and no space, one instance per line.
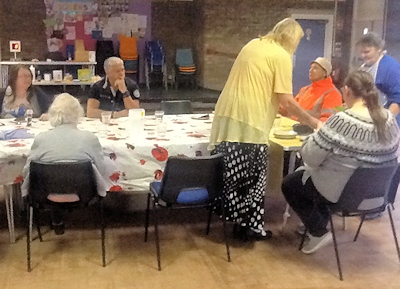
(65,109)
(111,61)
(371,39)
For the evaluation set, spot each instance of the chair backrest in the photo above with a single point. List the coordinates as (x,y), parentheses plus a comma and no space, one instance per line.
(62,178)
(155,53)
(176,107)
(184,57)
(127,47)
(183,173)
(367,189)
(104,50)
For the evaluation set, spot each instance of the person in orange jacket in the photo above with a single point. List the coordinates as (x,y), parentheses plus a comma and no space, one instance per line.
(321,97)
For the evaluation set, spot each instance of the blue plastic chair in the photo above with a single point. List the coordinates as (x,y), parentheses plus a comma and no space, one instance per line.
(185,68)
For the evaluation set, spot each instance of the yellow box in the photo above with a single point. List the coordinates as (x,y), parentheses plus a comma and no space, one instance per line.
(85,74)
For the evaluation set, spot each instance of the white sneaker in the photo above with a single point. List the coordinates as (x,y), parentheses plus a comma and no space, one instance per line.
(317,243)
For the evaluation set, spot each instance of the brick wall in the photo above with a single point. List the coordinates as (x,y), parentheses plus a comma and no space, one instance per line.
(23,20)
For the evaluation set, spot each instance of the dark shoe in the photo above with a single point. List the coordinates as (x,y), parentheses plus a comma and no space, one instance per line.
(252,235)
(59,229)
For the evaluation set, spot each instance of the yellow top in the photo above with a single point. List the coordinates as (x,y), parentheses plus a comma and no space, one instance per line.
(247,106)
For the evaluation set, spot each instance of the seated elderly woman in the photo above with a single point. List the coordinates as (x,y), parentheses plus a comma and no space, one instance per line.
(321,97)
(20,95)
(65,142)
(334,153)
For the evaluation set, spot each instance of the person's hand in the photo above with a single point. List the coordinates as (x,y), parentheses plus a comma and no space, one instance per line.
(319,125)
(120,85)
(44,117)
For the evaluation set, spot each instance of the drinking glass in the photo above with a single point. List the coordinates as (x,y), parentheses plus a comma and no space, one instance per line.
(158,114)
(162,129)
(106,117)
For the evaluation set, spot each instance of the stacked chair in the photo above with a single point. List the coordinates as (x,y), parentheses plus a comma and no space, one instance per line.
(185,69)
(104,50)
(155,65)
(128,52)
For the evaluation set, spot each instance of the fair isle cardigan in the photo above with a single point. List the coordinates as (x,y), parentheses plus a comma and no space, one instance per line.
(345,142)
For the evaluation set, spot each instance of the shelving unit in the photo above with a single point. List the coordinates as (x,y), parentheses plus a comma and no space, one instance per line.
(4,66)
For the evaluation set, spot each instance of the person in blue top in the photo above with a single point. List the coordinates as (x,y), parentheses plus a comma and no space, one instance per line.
(386,73)
(384,69)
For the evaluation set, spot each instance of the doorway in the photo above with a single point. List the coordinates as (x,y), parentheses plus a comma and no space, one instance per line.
(317,42)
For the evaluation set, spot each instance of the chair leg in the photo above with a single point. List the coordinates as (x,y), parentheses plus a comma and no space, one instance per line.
(394,231)
(344,223)
(303,237)
(36,217)
(157,238)
(28,236)
(103,235)
(336,247)
(209,219)
(10,211)
(359,227)
(146,224)
(228,253)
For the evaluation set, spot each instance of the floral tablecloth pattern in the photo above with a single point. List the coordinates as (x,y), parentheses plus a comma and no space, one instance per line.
(133,158)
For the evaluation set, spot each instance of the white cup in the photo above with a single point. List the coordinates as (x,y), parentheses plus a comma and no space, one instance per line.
(47,77)
(158,114)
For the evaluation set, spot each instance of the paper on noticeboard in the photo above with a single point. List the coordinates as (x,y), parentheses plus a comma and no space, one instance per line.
(71,33)
(89,27)
(142,21)
(115,24)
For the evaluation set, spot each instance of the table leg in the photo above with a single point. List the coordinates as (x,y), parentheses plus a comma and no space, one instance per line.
(292,163)
(8,192)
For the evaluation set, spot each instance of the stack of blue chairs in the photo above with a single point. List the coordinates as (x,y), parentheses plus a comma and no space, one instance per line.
(155,62)
(185,68)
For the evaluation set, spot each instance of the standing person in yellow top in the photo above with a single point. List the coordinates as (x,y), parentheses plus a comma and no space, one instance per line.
(260,80)
(321,97)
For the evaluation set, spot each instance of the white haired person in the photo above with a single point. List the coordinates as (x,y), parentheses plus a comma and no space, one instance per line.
(65,142)
(260,80)
(114,92)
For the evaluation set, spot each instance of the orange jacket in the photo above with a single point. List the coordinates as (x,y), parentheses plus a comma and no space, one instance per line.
(319,99)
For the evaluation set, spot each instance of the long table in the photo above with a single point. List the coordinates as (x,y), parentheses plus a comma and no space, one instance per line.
(133,158)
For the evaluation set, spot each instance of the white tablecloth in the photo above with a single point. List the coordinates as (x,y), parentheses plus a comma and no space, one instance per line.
(133,159)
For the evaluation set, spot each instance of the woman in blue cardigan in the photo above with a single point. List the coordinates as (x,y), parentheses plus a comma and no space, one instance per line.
(384,69)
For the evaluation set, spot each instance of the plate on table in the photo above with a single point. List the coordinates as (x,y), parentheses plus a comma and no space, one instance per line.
(285,134)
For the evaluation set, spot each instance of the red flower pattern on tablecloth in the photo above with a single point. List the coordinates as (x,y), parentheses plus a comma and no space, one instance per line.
(115,176)
(115,189)
(16,145)
(18,179)
(142,162)
(159,153)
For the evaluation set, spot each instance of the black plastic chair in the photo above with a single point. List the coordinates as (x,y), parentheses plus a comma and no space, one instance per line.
(366,192)
(188,183)
(176,107)
(61,186)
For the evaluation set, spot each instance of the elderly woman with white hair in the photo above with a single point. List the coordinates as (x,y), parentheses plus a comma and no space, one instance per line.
(115,92)
(65,142)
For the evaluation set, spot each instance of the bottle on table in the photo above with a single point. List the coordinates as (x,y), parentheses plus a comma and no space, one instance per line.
(29,116)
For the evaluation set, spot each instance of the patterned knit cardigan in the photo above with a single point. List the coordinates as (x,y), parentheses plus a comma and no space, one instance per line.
(347,141)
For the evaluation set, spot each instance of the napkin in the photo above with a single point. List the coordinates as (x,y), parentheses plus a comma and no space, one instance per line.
(14,134)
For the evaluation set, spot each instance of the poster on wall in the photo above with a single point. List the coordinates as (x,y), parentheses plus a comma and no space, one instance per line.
(89,20)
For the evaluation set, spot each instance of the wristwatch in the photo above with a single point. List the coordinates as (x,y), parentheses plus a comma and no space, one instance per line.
(126,94)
